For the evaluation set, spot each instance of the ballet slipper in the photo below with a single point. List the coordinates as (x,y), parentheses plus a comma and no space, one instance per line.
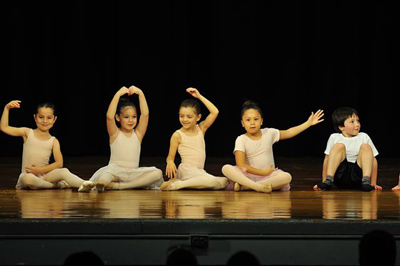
(100,186)
(167,185)
(267,188)
(86,186)
(63,184)
(237,187)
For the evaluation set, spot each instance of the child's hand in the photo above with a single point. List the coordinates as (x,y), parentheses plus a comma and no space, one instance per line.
(33,170)
(377,187)
(270,169)
(13,104)
(124,90)
(316,118)
(171,170)
(134,90)
(192,91)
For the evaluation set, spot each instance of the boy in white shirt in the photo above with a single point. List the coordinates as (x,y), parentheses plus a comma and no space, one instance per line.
(349,156)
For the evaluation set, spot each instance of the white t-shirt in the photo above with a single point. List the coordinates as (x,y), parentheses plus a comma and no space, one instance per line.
(352,144)
(259,153)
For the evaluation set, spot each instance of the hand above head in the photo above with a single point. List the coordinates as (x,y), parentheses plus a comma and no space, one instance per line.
(124,90)
(13,104)
(316,118)
(194,92)
(134,90)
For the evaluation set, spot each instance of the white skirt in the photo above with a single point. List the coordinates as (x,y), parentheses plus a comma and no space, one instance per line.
(122,174)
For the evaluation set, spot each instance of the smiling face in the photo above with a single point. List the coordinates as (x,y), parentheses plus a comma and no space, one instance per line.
(252,121)
(351,126)
(127,118)
(188,117)
(45,118)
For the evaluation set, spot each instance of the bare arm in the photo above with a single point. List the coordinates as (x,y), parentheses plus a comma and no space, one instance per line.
(204,125)
(112,128)
(58,162)
(240,159)
(4,123)
(144,112)
(294,131)
(173,147)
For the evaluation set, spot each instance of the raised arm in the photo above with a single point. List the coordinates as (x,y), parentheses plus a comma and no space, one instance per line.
(144,112)
(205,124)
(4,125)
(112,128)
(294,131)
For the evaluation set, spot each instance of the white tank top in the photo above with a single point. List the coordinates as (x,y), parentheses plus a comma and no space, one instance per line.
(125,151)
(36,152)
(193,149)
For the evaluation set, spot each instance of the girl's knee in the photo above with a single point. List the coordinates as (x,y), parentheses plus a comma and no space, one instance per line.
(288,177)
(226,168)
(29,180)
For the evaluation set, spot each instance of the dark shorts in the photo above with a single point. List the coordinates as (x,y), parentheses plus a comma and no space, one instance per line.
(348,175)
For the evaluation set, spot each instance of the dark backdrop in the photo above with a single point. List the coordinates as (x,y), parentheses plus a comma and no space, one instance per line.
(293,57)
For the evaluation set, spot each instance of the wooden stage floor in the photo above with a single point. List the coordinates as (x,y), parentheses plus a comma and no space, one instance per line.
(228,220)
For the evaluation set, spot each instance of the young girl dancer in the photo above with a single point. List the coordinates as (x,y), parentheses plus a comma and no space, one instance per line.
(37,172)
(189,142)
(255,167)
(123,171)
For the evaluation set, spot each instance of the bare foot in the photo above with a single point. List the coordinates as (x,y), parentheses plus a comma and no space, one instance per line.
(396,188)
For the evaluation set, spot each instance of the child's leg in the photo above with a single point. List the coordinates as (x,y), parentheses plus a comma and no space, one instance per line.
(365,161)
(103,181)
(336,156)
(142,181)
(57,175)
(201,182)
(278,180)
(34,182)
(234,174)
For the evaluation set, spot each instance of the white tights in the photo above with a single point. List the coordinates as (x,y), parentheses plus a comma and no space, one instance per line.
(205,181)
(51,178)
(277,180)
(144,180)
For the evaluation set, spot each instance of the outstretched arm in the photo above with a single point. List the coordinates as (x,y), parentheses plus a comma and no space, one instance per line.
(144,112)
(6,128)
(210,106)
(294,131)
(112,128)
(374,175)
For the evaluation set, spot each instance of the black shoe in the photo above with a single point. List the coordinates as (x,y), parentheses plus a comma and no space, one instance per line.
(367,187)
(324,186)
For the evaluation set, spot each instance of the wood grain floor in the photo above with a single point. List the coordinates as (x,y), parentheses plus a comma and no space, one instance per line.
(300,203)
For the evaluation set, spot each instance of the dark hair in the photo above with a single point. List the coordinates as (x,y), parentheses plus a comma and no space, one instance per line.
(124,102)
(243,258)
(193,103)
(251,105)
(46,105)
(340,115)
